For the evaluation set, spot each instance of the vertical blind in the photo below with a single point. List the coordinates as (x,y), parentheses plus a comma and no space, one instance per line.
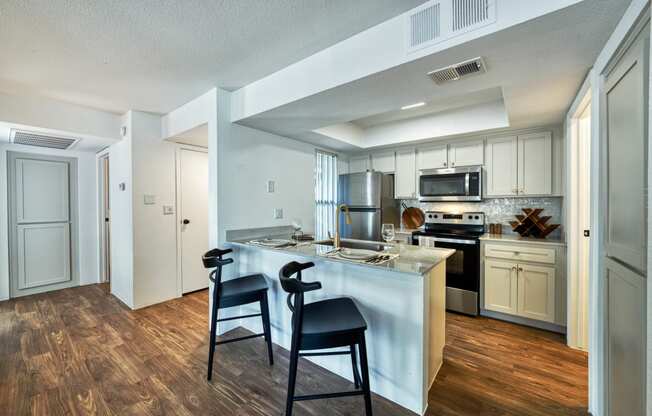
(325,193)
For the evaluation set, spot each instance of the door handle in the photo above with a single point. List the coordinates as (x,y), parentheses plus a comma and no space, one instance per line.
(186,221)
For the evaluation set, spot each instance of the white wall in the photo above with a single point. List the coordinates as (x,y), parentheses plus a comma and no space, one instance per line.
(155,239)
(87,198)
(247,159)
(143,240)
(58,115)
(122,236)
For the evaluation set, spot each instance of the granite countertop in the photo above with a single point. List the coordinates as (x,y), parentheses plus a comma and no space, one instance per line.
(411,259)
(518,239)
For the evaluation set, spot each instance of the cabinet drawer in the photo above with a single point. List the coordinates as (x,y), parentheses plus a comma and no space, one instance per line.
(520,253)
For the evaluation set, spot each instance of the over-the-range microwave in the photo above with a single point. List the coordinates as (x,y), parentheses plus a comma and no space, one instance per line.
(451,184)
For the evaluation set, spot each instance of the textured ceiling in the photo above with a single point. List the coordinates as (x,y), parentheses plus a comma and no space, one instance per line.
(538,65)
(157,55)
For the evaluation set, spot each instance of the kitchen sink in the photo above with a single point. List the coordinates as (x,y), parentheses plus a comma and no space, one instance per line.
(357,244)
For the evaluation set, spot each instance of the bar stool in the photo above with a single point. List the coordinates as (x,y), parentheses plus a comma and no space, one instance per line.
(235,292)
(324,324)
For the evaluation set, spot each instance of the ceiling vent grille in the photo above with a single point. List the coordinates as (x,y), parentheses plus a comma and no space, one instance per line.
(29,138)
(458,71)
(469,13)
(425,25)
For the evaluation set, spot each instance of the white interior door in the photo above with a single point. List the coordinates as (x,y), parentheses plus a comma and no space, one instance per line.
(625,252)
(41,223)
(193,215)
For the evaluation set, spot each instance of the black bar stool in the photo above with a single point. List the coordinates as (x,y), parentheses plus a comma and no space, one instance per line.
(235,292)
(319,325)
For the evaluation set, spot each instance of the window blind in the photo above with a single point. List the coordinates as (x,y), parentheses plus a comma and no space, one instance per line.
(325,193)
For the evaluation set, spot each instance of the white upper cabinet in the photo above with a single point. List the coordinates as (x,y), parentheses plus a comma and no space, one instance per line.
(519,165)
(501,167)
(383,161)
(405,186)
(358,163)
(535,164)
(432,157)
(466,154)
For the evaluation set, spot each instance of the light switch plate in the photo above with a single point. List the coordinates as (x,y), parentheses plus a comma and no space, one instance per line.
(168,210)
(149,199)
(278,213)
(270,187)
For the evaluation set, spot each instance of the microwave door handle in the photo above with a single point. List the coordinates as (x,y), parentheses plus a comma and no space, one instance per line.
(466,184)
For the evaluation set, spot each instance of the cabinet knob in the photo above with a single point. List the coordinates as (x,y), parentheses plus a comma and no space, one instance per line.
(514,268)
(453,164)
(445,164)
(520,269)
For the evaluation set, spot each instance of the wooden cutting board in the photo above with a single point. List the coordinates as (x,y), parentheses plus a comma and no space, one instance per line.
(413,217)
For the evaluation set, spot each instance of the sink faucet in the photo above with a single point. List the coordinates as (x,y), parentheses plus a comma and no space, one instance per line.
(340,208)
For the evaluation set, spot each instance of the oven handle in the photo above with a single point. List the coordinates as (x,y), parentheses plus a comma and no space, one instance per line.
(452,240)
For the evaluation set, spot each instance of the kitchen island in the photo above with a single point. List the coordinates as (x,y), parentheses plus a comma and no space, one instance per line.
(402,300)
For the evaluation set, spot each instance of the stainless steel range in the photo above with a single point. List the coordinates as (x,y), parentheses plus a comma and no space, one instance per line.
(460,232)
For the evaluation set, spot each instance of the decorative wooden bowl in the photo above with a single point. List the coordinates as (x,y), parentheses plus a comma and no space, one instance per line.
(532,224)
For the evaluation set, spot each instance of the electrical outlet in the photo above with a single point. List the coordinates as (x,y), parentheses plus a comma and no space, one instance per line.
(270,187)
(149,199)
(278,213)
(168,210)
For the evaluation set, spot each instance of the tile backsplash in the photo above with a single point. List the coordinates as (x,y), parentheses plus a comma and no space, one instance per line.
(500,210)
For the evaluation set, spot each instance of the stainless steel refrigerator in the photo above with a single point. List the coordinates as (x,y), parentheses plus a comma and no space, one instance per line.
(370,198)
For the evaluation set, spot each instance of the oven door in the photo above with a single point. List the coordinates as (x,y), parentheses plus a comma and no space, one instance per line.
(462,272)
(455,184)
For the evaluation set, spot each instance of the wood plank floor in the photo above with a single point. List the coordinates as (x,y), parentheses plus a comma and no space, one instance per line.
(80,351)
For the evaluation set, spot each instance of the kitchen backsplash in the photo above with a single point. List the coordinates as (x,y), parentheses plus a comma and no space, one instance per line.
(500,210)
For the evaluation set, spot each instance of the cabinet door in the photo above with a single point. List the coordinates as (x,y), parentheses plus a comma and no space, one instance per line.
(536,292)
(405,176)
(501,168)
(358,164)
(383,162)
(432,157)
(535,164)
(625,339)
(500,286)
(466,154)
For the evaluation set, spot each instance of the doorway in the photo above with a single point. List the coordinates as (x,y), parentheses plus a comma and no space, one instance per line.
(192,209)
(43,223)
(579,220)
(104,217)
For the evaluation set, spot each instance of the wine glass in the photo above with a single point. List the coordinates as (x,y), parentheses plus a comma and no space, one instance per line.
(387,231)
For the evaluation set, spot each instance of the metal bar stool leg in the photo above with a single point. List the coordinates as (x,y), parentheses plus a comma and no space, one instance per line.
(211,342)
(365,376)
(264,310)
(354,364)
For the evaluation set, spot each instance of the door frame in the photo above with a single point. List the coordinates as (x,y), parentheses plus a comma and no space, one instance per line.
(177,196)
(574,312)
(73,195)
(102,257)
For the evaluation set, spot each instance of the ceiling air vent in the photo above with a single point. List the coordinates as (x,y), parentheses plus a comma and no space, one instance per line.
(41,140)
(458,71)
(468,13)
(425,25)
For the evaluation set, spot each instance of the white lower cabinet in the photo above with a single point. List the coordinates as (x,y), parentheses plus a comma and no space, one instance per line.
(536,292)
(500,290)
(513,284)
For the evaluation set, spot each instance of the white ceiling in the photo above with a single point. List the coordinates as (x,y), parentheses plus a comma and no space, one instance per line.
(155,56)
(538,66)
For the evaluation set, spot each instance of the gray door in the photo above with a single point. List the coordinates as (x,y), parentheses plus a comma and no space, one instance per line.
(625,251)
(42,220)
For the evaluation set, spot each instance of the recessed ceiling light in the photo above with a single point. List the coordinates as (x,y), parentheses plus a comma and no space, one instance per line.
(415,105)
